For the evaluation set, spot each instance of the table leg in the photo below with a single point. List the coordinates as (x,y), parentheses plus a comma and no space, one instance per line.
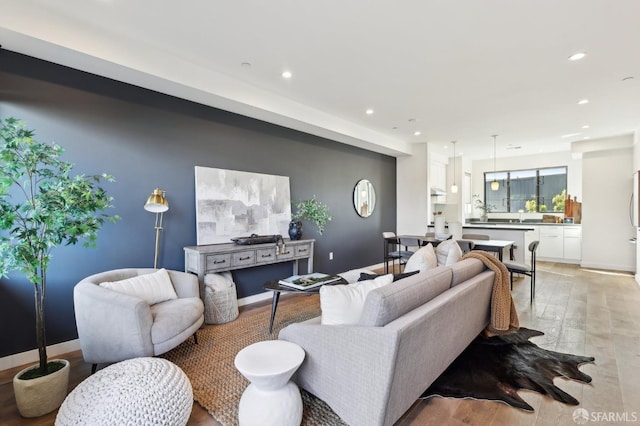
(386,255)
(274,306)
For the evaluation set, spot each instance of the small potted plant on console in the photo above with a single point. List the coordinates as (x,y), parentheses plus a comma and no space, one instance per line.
(311,210)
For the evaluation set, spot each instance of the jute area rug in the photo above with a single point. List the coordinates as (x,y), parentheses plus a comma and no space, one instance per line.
(217,385)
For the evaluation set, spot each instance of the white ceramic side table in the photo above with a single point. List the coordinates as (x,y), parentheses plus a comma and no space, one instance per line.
(270,398)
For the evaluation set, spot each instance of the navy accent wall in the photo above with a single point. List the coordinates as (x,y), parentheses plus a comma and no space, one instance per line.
(147,140)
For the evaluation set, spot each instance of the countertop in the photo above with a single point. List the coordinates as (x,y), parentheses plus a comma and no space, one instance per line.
(515,226)
(505,226)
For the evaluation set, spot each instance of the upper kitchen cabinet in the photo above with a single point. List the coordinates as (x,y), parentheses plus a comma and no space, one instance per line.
(438,172)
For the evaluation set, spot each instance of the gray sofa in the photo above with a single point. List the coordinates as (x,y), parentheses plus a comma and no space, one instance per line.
(409,332)
(113,326)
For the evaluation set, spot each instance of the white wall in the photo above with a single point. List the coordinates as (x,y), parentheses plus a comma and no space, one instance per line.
(412,192)
(574,171)
(607,180)
(636,166)
(454,209)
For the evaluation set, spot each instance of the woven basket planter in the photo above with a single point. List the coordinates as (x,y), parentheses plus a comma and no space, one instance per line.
(220,306)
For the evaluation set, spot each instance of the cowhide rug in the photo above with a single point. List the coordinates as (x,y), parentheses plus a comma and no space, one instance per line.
(495,368)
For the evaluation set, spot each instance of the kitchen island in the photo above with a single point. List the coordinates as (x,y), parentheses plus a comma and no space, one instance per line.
(502,231)
(559,242)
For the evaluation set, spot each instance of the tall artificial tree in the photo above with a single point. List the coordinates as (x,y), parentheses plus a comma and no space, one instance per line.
(41,207)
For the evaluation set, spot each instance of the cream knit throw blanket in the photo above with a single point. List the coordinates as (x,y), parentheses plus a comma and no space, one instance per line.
(503,311)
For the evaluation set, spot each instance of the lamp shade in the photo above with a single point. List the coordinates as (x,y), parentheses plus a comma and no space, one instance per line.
(495,185)
(157,203)
(454,188)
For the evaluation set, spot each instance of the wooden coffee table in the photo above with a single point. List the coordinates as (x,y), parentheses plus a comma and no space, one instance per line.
(278,288)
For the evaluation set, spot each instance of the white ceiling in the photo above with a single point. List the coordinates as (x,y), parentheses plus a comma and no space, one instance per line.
(463,69)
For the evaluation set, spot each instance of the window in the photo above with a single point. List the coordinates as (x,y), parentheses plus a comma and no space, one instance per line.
(536,190)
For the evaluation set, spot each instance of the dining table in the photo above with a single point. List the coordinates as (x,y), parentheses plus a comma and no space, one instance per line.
(422,240)
(495,246)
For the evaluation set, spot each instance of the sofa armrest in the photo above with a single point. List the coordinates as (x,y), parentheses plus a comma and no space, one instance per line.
(111,325)
(349,367)
(185,284)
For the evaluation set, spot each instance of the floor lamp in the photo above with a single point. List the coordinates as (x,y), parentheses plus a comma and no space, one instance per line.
(158,204)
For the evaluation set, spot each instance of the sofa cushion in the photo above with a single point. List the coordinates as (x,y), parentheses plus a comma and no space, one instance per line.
(385,304)
(422,260)
(448,252)
(342,304)
(172,317)
(154,288)
(466,269)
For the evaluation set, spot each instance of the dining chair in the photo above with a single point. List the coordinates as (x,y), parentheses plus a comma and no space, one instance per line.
(396,254)
(523,268)
(406,253)
(465,245)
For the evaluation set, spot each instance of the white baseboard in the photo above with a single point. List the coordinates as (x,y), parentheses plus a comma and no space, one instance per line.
(608,267)
(255,298)
(31,357)
(376,266)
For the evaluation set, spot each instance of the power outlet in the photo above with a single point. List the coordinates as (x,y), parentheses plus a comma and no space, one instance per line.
(330,255)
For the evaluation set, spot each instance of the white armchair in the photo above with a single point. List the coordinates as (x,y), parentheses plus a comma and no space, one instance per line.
(114,326)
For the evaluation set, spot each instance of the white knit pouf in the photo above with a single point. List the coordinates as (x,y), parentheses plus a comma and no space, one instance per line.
(139,391)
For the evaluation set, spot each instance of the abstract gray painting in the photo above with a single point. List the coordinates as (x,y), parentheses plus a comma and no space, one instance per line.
(231,203)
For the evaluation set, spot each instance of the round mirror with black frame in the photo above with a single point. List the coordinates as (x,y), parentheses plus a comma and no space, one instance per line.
(364,198)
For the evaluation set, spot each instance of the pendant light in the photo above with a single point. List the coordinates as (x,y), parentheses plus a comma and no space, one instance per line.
(454,187)
(495,185)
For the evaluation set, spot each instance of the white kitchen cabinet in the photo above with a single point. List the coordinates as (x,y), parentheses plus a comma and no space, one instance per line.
(529,237)
(572,243)
(438,175)
(551,242)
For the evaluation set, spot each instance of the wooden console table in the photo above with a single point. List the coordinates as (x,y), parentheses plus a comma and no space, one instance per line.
(202,260)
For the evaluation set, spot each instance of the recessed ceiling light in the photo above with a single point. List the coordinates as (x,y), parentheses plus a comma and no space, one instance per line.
(245,64)
(417,133)
(569,135)
(586,126)
(628,78)
(577,56)
(583,101)
(587,137)
(369,111)
(286,74)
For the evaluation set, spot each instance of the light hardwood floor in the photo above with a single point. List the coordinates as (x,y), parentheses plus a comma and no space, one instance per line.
(584,312)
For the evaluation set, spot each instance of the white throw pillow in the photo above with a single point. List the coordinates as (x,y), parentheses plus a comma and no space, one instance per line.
(343,304)
(422,260)
(154,288)
(448,252)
